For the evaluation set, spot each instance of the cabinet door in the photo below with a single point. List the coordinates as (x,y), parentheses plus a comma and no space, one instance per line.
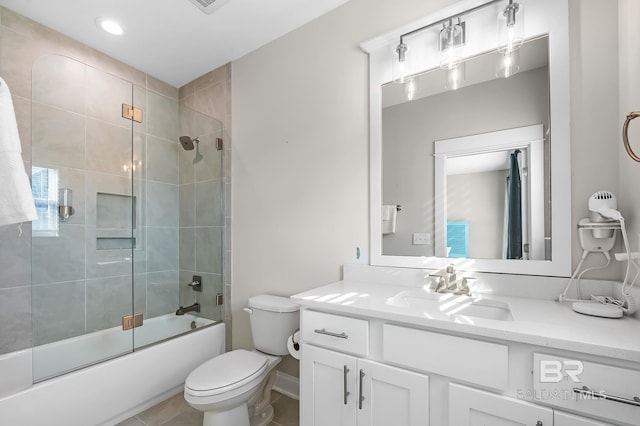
(391,396)
(327,388)
(473,407)
(564,419)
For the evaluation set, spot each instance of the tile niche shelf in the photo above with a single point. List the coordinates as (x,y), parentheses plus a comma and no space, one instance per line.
(115,221)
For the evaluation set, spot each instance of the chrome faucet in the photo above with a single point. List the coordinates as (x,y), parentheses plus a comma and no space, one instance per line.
(450,276)
(446,279)
(193,308)
(448,282)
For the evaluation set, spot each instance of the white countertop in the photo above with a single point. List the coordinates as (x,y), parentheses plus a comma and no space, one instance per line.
(537,322)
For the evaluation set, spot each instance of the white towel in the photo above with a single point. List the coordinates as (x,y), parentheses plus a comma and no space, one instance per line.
(16,200)
(389,213)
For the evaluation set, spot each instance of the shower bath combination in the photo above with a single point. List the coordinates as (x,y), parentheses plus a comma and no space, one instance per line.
(188,144)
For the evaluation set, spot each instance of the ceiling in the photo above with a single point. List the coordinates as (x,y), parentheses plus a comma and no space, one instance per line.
(173,40)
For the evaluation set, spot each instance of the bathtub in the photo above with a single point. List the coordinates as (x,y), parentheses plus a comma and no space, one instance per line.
(107,392)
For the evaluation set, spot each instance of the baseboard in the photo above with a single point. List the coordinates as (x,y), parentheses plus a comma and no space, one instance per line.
(287,385)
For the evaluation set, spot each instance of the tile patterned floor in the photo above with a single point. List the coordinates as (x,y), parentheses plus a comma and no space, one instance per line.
(176,412)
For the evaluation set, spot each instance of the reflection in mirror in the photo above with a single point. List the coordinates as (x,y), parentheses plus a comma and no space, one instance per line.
(489,191)
(470,204)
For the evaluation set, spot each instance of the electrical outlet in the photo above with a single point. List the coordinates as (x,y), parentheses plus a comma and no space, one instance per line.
(421,238)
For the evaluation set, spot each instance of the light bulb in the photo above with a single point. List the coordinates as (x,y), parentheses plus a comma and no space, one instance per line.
(110,26)
(455,76)
(451,40)
(508,64)
(399,70)
(411,87)
(511,27)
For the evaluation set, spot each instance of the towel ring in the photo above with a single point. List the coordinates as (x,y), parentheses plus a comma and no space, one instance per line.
(625,135)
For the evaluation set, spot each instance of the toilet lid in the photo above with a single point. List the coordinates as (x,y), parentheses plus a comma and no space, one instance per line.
(231,369)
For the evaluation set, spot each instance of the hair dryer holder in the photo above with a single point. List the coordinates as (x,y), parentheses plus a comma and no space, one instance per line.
(597,237)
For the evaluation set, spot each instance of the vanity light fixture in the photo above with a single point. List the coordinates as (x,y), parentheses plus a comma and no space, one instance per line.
(510,38)
(510,29)
(452,37)
(400,66)
(110,26)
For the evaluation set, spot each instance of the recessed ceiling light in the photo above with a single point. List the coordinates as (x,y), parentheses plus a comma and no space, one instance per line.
(110,26)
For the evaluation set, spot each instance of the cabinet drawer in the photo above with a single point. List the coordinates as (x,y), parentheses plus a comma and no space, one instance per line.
(564,419)
(469,406)
(587,387)
(470,360)
(344,334)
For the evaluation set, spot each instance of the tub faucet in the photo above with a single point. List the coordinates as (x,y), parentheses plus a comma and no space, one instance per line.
(193,308)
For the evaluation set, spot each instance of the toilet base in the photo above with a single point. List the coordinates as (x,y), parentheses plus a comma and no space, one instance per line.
(264,419)
(259,407)
(238,416)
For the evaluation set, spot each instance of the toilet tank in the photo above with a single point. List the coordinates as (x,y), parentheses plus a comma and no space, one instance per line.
(273,320)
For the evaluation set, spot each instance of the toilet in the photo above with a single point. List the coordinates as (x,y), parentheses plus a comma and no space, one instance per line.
(234,389)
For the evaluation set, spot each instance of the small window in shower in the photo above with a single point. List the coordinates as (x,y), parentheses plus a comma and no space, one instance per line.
(44,187)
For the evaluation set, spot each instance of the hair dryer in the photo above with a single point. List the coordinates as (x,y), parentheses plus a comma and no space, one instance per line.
(602,207)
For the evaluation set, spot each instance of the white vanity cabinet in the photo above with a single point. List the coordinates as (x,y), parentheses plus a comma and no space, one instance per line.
(339,389)
(361,370)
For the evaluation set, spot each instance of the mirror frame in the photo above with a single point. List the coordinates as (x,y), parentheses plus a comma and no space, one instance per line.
(542,17)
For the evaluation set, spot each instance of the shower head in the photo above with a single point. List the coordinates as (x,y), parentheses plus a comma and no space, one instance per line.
(187,142)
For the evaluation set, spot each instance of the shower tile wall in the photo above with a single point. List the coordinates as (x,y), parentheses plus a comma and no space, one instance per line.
(210,94)
(78,285)
(201,216)
(90,150)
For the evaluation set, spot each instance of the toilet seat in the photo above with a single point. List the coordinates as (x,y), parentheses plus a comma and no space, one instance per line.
(225,373)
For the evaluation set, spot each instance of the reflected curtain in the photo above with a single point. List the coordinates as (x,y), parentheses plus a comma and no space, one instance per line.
(514,209)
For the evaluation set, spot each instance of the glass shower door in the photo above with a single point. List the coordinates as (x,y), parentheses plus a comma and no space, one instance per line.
(201,214)
(128,217)
(83,241)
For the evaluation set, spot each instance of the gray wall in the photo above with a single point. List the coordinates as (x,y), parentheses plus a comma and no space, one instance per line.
(629,84)
(478,198)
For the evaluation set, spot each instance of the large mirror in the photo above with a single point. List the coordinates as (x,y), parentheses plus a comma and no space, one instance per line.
(478,176)
(461,156)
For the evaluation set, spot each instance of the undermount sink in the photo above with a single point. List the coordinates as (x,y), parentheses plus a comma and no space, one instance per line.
(453,305)
(497,311)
